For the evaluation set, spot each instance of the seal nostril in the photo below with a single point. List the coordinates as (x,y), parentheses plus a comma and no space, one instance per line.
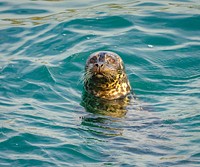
(96,65)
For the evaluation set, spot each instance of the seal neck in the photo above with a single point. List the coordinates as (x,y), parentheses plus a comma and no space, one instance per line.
(110,91)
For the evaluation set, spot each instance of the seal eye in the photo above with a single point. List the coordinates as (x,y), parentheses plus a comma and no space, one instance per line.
(111,60)
(93,60)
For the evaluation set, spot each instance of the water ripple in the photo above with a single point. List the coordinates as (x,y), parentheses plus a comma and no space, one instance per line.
(44,46)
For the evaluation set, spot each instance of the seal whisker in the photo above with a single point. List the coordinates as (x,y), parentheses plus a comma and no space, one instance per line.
(87,76)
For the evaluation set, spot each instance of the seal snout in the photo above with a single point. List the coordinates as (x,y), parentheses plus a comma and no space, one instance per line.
(98,67)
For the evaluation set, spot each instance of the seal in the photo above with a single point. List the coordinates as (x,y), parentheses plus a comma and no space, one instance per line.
(107,90)
(105,76)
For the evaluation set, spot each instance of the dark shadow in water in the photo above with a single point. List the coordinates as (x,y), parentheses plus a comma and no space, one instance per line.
(101,126)
(107,115)
(114,108)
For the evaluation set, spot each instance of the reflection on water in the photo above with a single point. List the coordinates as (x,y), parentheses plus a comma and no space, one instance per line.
(101,121)
(91,9)
(103,126)
(114,108)
(107,114)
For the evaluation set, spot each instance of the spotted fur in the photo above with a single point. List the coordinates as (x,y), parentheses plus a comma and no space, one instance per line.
(105,76)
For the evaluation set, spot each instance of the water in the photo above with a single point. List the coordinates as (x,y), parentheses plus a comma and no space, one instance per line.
(44,46)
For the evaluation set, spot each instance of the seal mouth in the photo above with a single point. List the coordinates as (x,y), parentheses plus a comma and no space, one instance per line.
(99,75)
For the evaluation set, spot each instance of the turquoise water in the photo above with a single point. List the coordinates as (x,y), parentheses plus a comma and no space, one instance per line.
(43,49)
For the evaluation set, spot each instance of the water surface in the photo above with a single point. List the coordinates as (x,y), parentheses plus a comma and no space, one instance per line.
(44,46)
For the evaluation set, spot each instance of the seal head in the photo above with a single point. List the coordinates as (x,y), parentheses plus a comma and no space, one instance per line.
(105,76)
